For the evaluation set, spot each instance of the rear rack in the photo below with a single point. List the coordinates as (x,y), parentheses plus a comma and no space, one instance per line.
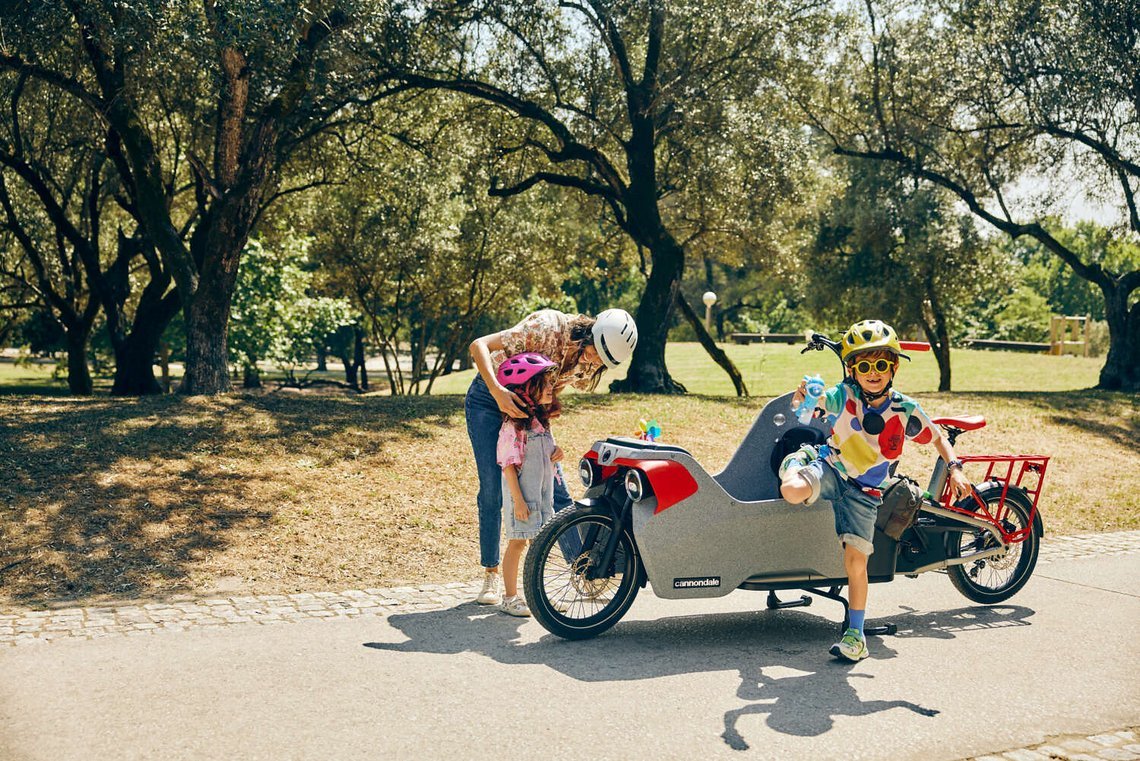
(1030,476)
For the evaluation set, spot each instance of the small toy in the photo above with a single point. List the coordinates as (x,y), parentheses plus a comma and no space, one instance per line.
(812,393)
(650,430)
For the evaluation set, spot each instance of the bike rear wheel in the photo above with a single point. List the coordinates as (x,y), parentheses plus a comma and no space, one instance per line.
(999,577)
(560,595)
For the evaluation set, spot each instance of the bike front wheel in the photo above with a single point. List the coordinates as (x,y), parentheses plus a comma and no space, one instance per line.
(998,577)
(566,593)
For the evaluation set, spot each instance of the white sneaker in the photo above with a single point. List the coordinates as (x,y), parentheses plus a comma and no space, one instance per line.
(515,606)
(490,593)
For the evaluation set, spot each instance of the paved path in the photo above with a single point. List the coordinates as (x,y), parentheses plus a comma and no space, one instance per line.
(32,627)
(409,672)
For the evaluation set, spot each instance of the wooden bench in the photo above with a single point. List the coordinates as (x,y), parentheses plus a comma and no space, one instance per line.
(766,338)
(1029,346)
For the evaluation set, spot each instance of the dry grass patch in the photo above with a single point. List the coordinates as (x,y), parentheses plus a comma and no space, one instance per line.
(120,499)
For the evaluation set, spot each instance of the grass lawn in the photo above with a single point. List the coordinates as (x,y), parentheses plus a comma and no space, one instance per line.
(107,499)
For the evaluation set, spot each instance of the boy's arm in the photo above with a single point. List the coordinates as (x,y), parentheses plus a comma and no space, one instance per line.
(522,512)
(959,485)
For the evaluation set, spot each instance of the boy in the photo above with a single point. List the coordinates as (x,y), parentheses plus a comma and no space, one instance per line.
(851,469)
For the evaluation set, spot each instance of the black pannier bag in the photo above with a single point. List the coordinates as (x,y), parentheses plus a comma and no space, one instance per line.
(900,505)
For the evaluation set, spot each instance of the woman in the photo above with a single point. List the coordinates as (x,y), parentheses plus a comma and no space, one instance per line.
(584,348)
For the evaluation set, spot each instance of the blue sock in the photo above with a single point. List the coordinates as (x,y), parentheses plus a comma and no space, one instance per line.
(856,619)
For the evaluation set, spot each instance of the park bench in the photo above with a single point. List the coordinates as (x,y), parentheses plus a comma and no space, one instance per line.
(768,338)
(1029,346)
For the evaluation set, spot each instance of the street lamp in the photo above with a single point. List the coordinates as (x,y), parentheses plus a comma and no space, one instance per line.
(709,298)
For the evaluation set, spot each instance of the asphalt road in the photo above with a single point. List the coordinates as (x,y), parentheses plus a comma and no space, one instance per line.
(677,679)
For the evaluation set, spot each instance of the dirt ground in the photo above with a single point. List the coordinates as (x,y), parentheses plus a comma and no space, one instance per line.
(109,499)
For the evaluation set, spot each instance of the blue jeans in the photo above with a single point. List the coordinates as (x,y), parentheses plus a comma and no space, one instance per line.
(484,418)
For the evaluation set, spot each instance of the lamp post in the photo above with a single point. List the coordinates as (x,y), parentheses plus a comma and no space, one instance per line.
(709,298)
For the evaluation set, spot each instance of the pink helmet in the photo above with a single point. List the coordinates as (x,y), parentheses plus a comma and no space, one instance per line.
(517,370)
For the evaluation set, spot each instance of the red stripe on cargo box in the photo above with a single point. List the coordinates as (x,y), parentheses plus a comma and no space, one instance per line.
(671,481)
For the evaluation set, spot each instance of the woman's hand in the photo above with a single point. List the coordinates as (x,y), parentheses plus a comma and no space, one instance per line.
(556,455)
(960,486)
(508,401)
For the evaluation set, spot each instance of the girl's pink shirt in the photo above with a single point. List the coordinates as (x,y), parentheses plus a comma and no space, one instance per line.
(511,446)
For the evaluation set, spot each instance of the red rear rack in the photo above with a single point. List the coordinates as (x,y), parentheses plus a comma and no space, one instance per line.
(1030,476)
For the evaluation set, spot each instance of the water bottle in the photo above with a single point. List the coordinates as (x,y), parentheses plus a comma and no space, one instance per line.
(813,391)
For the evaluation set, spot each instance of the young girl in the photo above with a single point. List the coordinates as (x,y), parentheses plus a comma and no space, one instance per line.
(526,452)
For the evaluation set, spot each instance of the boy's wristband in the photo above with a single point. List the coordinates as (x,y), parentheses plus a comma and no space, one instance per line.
(954,464)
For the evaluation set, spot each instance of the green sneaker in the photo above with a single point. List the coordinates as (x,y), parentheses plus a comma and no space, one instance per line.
(852,647)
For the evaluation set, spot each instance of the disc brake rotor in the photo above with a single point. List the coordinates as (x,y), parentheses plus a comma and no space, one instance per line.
(588,588)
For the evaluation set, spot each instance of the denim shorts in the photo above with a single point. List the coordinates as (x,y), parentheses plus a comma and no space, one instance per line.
(855,510)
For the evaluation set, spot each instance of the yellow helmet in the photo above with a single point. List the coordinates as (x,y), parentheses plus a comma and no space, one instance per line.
(870,335)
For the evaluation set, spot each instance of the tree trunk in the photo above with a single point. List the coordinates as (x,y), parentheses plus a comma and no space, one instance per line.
(710,346)
(1121,371)
(251,378)
(647,372)
(78,373)
(358,352)
(207,328)
(134,356)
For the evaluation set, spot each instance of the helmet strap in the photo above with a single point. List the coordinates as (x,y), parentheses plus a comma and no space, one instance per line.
(870,398)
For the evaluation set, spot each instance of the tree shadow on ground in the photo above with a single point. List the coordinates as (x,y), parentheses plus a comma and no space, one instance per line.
(780,659)
(118,498)
(1111,415)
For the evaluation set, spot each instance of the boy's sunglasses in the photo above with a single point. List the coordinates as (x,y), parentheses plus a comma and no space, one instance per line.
(864,366)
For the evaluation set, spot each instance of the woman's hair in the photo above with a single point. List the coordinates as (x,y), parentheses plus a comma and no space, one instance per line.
(582,333)
(531,392)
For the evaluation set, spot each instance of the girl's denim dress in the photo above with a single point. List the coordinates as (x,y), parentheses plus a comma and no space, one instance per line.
(536,479)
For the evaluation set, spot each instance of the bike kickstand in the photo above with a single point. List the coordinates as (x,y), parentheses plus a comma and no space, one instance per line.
(834,594)
(775,603)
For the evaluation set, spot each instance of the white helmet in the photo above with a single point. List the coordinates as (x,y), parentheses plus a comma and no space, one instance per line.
(615,335)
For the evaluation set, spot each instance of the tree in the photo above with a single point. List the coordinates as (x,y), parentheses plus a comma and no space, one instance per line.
(266,79)
(275,316)
(976,96)
(893,247)
(60,192)
(425,254)
(621,102)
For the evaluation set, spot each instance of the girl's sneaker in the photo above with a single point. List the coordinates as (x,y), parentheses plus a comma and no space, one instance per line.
(490,593)
(515,606)
(852,647)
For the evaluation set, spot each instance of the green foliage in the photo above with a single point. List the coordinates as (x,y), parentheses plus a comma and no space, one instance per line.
(273,317)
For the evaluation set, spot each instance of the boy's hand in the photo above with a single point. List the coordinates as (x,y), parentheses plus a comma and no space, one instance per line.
(960,486)
(800,395)
(522,512)
(556,455)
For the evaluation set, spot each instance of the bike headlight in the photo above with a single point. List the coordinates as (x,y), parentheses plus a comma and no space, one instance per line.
(635,485)
(588,472)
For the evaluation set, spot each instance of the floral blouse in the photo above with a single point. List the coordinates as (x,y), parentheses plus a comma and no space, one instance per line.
(546,331)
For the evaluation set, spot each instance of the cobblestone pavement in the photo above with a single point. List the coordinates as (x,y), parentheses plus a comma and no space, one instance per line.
(1110,746)
(26,627)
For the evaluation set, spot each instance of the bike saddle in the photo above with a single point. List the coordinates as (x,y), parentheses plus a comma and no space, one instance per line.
(962,423)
